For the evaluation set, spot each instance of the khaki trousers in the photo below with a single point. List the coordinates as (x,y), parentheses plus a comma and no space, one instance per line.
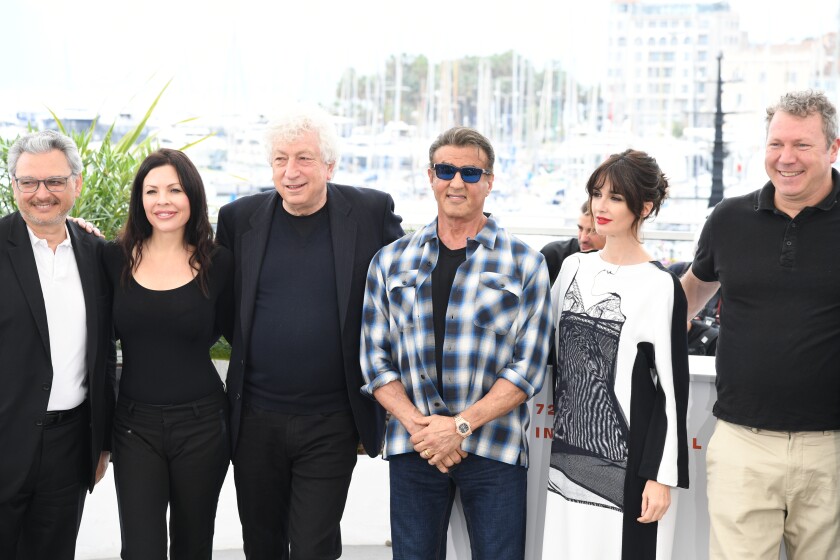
(764,486)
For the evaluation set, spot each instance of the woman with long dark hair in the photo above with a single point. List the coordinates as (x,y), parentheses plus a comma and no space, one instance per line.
(621,390)
(172,299)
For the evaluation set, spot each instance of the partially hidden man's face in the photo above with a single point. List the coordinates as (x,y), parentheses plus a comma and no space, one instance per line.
(588,238)
(456,199)
(300,174)
(44,207)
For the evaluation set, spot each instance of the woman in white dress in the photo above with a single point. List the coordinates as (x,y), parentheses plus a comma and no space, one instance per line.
(621,387)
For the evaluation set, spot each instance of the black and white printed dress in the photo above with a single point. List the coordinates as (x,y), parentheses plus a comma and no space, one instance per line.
(620,399)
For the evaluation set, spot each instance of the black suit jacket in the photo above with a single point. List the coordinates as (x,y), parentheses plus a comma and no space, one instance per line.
(556,252)
(361,222)
(25,365)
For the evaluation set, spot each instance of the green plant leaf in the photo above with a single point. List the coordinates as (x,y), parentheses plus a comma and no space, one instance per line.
(57,121)
(131,137)
(202,139)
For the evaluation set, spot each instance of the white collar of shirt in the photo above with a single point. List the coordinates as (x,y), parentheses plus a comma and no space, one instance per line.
(35,240)
(64,301)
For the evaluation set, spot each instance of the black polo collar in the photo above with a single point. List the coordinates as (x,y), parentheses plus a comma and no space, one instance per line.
(768,191)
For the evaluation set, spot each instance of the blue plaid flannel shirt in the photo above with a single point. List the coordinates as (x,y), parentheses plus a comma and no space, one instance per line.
(498,325)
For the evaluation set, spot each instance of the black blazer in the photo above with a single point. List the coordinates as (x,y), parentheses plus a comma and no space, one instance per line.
(25,366)
(362,221)
(556,252)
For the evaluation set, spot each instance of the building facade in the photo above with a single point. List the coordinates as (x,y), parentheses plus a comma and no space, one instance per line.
(662,63)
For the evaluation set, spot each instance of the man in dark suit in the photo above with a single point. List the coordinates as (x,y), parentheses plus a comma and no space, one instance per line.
(588,239)
(297,415)
(56,360)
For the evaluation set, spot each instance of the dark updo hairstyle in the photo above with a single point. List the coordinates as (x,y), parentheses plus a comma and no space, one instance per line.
(635,176)
(197,233)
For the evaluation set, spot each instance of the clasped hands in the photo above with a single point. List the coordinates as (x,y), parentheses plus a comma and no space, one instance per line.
(435,439)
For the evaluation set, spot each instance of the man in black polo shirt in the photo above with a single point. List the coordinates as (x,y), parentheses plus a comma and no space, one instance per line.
(773,462)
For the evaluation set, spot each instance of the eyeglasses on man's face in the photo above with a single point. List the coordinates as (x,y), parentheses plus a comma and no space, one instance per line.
(31,184)
(469,173)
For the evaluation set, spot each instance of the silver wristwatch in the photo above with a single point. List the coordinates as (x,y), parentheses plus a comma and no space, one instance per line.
(462,426)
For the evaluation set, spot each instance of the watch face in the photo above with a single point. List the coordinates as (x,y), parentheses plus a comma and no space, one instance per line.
(463,428)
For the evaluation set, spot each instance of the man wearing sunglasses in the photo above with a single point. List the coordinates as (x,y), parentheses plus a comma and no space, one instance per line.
(56,356)
(455,336)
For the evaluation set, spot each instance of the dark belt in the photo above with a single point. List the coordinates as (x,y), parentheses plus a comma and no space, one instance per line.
(58,416)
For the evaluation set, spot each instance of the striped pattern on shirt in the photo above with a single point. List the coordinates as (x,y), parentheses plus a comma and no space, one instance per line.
(498,326)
